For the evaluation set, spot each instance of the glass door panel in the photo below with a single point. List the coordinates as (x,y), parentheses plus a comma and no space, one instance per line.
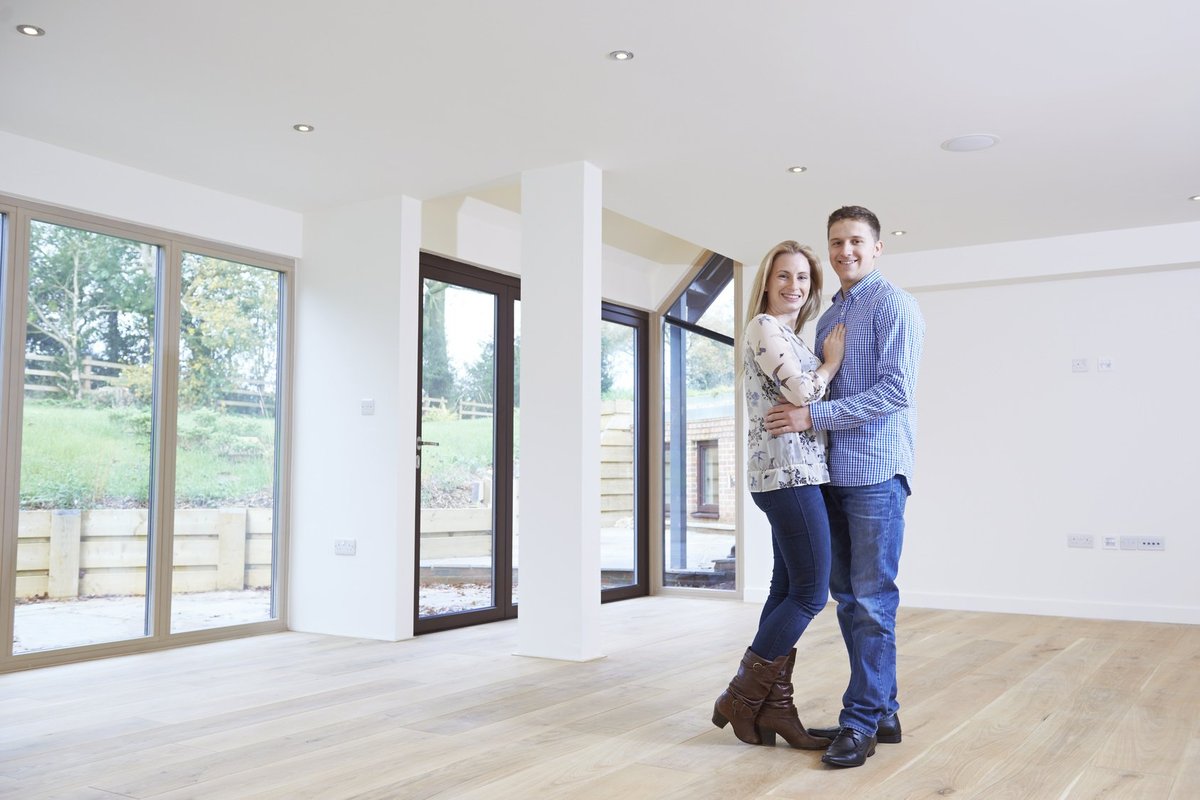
(457,563)
(225,533)
(618,473)
(86,429)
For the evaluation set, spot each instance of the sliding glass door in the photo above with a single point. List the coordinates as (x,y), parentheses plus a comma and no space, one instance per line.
(87,423)
(142,437)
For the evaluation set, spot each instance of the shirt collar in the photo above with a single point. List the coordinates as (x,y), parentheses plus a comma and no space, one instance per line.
(862,287)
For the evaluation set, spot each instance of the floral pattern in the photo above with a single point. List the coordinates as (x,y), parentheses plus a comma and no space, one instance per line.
(779,368)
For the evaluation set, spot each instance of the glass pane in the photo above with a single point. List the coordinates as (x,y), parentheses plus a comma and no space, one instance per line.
(710,483)
(699,428)
(719,316)
(457,393)
(516,479)
(708,299)
(83,535)
(224,547)
(618,501)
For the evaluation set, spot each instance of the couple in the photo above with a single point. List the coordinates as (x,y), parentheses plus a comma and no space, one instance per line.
(837,515)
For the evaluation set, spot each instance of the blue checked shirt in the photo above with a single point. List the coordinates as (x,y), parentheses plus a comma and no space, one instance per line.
(871,413)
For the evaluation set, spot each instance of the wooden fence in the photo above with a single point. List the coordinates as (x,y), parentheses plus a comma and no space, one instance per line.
(110,374)
(463,409)
(72,553)
(97,374)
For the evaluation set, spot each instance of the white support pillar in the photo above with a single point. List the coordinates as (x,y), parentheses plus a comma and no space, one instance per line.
(560,411)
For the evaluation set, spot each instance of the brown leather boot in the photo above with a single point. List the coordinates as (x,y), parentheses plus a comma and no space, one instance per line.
(778,714)
(741,702)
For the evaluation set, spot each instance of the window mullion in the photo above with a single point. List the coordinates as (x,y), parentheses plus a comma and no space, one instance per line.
(166,400)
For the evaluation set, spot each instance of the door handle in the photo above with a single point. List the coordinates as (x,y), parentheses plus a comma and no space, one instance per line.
(426,443)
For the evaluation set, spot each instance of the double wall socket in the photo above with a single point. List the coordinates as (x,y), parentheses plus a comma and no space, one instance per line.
(345,547)
(1085,540)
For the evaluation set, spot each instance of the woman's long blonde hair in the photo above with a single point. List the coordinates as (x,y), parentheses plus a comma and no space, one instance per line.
(758,293)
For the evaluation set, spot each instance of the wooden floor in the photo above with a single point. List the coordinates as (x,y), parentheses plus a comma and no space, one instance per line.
(994,706)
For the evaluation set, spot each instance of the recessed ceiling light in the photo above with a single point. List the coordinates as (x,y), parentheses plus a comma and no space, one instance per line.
(899,233)
(620,55)
(30,30)
(303,128)
(797,170)
(972,141)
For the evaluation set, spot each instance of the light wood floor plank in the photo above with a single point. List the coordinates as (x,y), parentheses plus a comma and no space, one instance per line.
(1111,784)
(1186,785)
(993,705)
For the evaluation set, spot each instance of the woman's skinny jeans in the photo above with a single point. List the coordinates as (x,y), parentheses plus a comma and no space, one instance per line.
(800,577)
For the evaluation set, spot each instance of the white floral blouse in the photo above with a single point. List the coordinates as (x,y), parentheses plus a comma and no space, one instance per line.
(779,368)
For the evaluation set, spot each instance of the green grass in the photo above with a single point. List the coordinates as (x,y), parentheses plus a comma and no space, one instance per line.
(463,455)
(77,457)
(73,457)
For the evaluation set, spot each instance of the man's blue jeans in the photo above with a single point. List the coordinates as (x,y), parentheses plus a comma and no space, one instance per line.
(866,525)
(800,576)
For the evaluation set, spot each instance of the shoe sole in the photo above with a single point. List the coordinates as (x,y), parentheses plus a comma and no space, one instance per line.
(831,733)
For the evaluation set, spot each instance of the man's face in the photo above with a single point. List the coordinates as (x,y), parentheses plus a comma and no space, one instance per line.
(852,250)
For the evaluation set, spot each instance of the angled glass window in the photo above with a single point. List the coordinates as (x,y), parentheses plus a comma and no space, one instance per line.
(698,422)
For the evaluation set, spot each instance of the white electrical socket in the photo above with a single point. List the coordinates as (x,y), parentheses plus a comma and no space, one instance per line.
(1085,540)
(345,547)
(1152,543)
(1105,364)
(1130,542)
(1079,365)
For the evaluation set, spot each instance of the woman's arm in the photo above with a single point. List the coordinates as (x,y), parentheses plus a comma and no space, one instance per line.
(772,348)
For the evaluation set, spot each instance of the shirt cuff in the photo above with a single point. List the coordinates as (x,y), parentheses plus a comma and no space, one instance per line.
(822,415)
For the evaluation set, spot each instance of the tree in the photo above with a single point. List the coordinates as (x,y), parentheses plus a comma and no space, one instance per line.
(90,295)
(479,381)
(709,363)
(229,342)
(437,378)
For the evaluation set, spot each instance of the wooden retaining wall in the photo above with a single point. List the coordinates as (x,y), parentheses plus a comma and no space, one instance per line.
(72,553)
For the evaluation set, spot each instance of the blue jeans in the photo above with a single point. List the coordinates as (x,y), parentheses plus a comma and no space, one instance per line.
(866,526)
(800,575)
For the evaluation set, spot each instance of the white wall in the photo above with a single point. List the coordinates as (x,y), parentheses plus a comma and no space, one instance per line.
(354,475)
(48,174)
(471,230)
(1015,451)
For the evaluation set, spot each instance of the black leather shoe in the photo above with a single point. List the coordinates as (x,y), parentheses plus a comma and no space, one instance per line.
(888,733)
(849,749)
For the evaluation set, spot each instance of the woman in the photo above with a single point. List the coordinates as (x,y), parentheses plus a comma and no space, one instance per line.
(784,473)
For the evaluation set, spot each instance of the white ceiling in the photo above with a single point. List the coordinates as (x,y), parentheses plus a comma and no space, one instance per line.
(1096,103)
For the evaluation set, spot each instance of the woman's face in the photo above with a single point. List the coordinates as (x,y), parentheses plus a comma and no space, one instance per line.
(788,285)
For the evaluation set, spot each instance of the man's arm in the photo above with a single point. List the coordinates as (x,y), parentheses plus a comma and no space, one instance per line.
(899,334)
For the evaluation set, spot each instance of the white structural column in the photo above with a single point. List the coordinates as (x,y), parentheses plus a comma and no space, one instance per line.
(559,558)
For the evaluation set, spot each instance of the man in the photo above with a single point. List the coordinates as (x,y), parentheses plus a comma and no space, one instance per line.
(871,419)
